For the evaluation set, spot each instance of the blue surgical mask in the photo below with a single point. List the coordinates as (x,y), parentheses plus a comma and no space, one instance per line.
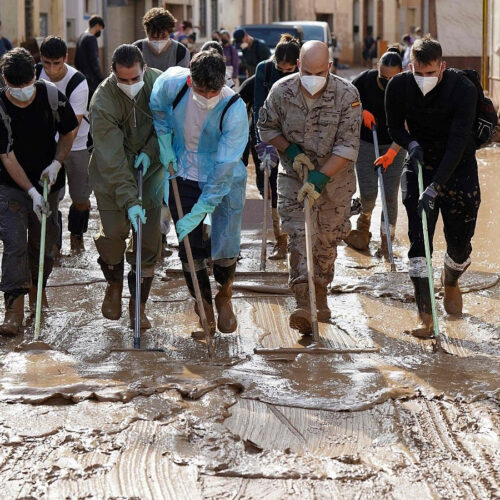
(23,94)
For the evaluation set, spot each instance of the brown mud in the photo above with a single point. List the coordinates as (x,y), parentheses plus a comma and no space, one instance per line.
(403,422)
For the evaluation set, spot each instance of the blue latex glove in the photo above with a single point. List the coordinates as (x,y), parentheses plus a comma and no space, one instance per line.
(142,159)
(134,212)
(167,153)
(191,220)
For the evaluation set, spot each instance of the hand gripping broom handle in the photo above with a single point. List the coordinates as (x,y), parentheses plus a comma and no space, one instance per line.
(428,256)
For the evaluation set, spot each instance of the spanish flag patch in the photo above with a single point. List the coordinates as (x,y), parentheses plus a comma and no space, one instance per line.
(355,104)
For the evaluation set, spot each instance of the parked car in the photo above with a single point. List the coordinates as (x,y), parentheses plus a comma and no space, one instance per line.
(271,34)
(312,30)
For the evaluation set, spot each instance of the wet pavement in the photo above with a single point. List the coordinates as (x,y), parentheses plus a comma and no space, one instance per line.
(406,419)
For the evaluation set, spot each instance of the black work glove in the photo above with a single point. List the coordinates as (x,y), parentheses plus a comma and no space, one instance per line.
(427,200)
(416,155)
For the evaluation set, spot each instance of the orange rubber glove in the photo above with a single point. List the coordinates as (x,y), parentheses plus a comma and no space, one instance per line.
(385,160)
(368,119)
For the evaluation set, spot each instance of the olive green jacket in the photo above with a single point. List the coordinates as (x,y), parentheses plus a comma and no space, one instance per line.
(122,128)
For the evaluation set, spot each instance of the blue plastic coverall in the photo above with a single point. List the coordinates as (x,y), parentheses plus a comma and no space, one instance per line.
(221,173)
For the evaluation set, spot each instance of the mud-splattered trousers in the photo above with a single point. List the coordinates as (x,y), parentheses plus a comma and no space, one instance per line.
(458,203)
(20,233)
(329,127)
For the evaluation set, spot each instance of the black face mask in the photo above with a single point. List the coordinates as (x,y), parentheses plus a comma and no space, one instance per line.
(224,41)
(383,81)
(98,34)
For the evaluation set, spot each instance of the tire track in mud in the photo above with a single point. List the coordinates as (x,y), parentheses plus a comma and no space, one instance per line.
(451,469)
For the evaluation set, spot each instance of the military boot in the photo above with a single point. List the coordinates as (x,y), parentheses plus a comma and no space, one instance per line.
(279,250)
(425,329)
(324,313)
(452,300)
(14,315)
(112,303)
(226,320)
(145,289)
(300,319)
(360,237)
(206,294)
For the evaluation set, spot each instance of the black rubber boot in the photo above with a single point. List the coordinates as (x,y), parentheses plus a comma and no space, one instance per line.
(226,320)
(423,299)
(145,289)
(206,293)
(112,303)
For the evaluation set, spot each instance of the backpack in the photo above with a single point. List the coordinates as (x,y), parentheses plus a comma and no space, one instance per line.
(486,116)
(52,97)
(185,88)
(74,81)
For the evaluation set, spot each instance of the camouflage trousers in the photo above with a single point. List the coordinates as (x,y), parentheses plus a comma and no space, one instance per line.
(330,221)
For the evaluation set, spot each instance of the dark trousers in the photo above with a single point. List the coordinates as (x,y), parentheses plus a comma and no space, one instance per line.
(458,203)
(20,232)
(189,192)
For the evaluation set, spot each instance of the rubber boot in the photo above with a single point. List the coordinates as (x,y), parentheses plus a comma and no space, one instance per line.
(77,225)
(145,289)
(324,313)
(32,298)
(300,319)
(360,237)
(279,250)
(206,294)
(425,329)
(112,303)
(226,320)
(14,315)
(452,300)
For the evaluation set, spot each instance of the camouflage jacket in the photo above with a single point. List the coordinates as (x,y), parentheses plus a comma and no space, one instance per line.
(331,126)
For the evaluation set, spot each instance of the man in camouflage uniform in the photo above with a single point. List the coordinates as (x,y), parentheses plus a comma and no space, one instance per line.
(313,119)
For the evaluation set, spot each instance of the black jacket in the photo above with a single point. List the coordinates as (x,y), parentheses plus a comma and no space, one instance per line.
(441,122)
(87,59)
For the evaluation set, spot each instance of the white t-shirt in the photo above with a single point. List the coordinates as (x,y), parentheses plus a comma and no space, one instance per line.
(193,125)
(78,100)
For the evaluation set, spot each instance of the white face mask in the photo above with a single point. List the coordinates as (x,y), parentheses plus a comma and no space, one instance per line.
(205,103)
(244,46)
(158,45)
(131,90)
(426,83)
(312,83)
(22,94)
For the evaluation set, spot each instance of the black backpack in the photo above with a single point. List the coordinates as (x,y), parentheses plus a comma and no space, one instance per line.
(486,117)
(185,88)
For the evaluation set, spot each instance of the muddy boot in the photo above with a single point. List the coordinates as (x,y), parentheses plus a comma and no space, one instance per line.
(145,289)
(324,313)
(279,250)
(300,319)
(112,303)
(77,225)
(360,237)
(32,299)
(226,320)
(14,315)
(425,329)
(452,300)
(206,294)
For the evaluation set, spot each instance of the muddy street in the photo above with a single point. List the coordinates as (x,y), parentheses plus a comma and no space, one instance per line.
(399,418)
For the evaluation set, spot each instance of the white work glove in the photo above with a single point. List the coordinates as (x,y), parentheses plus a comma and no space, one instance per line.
(51,173)
(40,206)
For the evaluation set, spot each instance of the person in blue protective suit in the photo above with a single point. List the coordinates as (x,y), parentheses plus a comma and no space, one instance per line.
(202,130)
